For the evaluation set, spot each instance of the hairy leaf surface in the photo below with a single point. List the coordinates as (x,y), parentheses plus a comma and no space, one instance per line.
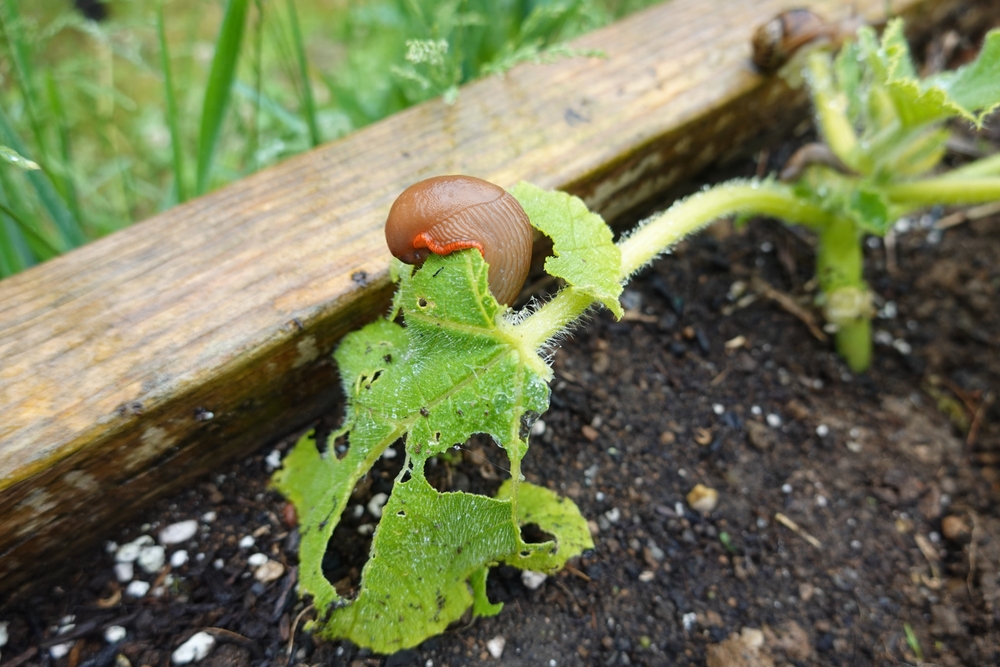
(584,253)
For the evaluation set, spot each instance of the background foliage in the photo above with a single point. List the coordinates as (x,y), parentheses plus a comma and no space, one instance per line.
(167,99)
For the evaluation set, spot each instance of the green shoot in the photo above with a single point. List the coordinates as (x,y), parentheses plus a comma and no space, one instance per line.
(180,185)
(913,642)
(220,83)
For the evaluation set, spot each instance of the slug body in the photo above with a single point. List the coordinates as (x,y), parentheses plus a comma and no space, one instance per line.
(448,213)
(775,42)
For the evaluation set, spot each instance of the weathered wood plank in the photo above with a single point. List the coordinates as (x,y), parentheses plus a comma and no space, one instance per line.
(132,364)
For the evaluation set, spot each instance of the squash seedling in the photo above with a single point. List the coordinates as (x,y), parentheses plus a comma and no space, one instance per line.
(883,133)
(461,364)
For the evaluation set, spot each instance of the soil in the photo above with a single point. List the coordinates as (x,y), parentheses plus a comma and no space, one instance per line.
(857,520)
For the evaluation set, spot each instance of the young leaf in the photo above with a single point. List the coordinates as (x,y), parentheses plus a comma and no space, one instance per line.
(585,255)
(971,92)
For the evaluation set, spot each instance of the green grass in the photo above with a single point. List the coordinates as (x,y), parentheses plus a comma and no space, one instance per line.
(174,98)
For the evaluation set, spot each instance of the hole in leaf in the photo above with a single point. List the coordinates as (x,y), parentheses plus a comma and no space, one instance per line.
(532,534)
(341,446)
(422,302)
(401,513)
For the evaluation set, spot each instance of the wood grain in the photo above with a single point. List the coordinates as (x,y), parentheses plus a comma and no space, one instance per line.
(133,364)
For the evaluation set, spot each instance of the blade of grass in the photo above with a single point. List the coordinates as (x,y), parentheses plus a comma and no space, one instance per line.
(65,180)
(65,221)
(305,85)
(220,81)
(180,185)
(10,26)
(250,163)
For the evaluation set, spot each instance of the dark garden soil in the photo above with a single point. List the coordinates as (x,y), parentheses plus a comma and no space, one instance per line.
(892,479)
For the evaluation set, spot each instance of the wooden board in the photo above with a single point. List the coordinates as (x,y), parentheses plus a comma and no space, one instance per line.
(133,364)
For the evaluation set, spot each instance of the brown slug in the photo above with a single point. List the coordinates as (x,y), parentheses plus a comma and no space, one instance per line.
(775,42)
(448,213)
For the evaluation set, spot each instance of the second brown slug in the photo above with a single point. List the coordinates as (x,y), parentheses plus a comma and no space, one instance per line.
(775,42)
(447,213)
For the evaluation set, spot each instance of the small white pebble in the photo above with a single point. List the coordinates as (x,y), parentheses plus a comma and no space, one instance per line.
(495,646)
(599,496)
(855,544)
(358,511)
(110,546)
(822,430)
(429,663)
(199,556)
(613,515)
(786,488)
(273,460)
(934,536)
(4,637)
(114,634)
(718,408)
(773,420)
(689,620)
(175,533)
(538,428)
(532,580)
(256,560)
(761,522)
(389,454)
(821,500)
(766,246)
(60,650)
(194,649)
(756,410)
(366,529)
(137,589)
(376,504)
(218,563)
(124,572)
(902,346)
(269,571)
(854,446)
(552,662)
(247,542)
(647,576)
(179,558)
(151,559)
(208,517)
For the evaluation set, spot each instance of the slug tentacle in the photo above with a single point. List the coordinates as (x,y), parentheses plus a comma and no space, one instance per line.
(449,213)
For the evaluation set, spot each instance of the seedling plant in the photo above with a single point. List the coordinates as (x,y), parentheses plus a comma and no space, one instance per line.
(449,361)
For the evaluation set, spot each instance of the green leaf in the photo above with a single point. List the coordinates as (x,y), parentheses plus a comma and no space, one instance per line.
(557,516)
(976,85)
(584,253)
(220,83)
(427,547)
(452,371)
(971,92)
(870,211)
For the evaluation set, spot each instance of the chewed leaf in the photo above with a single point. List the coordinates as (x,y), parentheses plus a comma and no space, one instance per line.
(452,371)
(428,549)
(585,255)
(560,517)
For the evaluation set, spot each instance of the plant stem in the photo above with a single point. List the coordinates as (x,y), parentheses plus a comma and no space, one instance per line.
(840,269)
(988,166)
(945,190)
(663,230)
